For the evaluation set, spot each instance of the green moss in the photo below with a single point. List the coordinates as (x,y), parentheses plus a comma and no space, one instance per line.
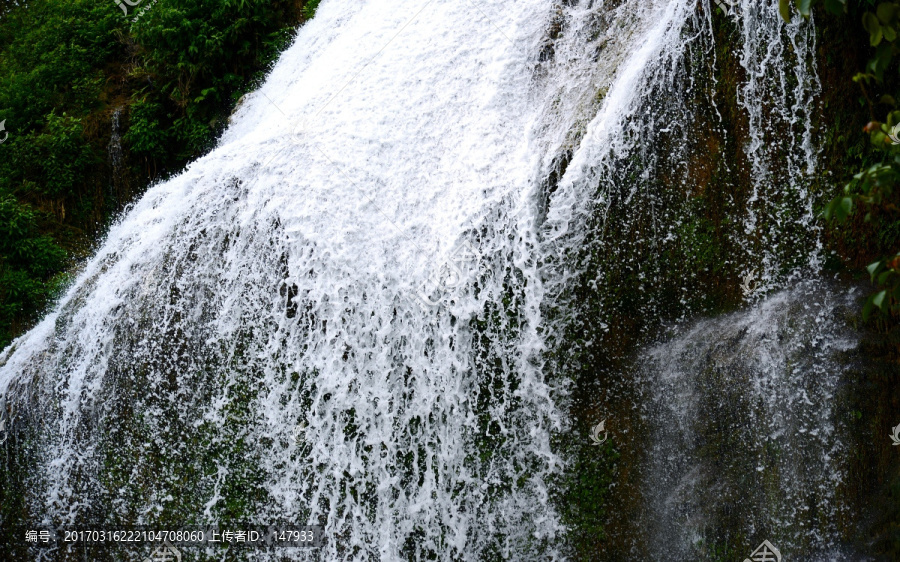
(584,502)
(720,552)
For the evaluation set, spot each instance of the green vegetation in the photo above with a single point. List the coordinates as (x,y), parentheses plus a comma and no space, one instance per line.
(97,105)
(874,189)
(584,507)
(805,6)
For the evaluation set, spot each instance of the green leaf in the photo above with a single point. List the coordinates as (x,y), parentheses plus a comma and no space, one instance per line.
(804,7)
(867,309)
(889,33)
(875,38)
(878,300)
(784,7)
(887,12)
(870,23)
(843,208)
(872,268)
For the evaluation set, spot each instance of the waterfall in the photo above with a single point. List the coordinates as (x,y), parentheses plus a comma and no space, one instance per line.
(350,313)
(628,152)
(252,341)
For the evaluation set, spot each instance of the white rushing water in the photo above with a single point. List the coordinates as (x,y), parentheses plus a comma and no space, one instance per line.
(621,202)
(287,303)
(336,317)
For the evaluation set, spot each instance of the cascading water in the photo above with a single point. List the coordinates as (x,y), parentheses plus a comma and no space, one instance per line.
(347,314)
(252,343)
(631,175)
(639,137)
(746,429)
(779,98)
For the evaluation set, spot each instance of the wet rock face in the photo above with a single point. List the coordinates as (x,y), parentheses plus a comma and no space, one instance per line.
(690,193)
(749,438)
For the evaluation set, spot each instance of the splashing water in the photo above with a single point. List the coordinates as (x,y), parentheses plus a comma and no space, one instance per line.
(622,178)
(746,429)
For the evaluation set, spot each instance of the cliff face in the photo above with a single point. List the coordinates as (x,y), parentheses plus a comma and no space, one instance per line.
(738,145)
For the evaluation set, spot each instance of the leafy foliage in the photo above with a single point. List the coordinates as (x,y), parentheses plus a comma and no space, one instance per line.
(168,72)
(805,7)
(309,9)
(193,67)
(29,261)
(874,188)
